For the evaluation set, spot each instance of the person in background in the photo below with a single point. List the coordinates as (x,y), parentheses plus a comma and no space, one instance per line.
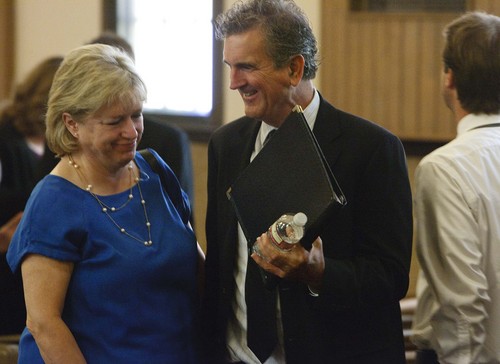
(339,301)
(109,261)
(457,206)
(22,141)
(171,143)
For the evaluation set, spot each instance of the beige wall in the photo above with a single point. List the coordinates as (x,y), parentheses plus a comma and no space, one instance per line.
(46,28)
(199,153)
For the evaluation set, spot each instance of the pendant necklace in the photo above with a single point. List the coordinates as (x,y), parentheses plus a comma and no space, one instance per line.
(108,210)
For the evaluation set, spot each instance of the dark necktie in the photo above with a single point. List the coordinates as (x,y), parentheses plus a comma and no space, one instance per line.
(261,307)
(268,136)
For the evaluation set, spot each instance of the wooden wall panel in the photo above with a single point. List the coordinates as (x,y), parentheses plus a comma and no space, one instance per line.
(6,47)
(388,77)
(490,6)
(430,67)
(409,57)
(387,67)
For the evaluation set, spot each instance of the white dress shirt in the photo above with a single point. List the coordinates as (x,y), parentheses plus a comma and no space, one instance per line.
(237,327)
(457,211)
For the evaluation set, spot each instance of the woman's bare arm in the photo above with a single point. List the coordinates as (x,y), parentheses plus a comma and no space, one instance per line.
(45,283)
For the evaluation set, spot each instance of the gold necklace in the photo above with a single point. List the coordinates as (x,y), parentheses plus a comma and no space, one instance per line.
(107,209)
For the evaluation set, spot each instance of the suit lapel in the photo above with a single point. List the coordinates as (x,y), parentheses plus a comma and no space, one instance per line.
(242,147)
(327,128)
(247,135)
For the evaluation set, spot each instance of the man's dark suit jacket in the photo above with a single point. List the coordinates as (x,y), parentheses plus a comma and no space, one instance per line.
(19,163)
(367,246)
(171,143)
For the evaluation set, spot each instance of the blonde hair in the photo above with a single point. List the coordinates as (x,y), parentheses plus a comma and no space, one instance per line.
(91,77)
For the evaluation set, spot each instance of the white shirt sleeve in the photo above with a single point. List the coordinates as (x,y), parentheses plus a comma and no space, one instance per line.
(451,258)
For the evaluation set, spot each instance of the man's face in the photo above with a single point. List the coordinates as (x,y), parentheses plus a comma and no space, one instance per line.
(264,89)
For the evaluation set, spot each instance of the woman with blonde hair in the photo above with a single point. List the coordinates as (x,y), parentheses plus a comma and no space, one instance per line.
(108,257)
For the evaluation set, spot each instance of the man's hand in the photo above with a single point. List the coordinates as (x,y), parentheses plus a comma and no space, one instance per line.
(297,264)
(7,231)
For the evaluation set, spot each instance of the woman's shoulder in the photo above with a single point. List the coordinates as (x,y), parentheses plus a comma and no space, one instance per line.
(52,222)
(55,184)
(54,194)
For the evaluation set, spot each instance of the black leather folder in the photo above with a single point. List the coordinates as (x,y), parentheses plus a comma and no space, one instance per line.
(290,174)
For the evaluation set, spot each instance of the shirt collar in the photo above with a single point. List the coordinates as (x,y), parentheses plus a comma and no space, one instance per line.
(471,121)
(310,113)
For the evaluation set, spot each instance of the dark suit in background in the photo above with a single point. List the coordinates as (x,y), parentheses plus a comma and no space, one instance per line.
(18,165)
(21,126)
(173,145)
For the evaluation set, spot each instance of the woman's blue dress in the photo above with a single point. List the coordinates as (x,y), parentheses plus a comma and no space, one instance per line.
(126,302)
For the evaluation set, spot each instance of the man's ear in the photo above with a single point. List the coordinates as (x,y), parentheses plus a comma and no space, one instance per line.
(296,69)
(71,124)
(449,78)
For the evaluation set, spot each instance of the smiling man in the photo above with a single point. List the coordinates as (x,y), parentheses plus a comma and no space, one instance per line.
(339,301)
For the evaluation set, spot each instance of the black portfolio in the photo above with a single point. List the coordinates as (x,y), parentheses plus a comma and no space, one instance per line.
(290,174)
